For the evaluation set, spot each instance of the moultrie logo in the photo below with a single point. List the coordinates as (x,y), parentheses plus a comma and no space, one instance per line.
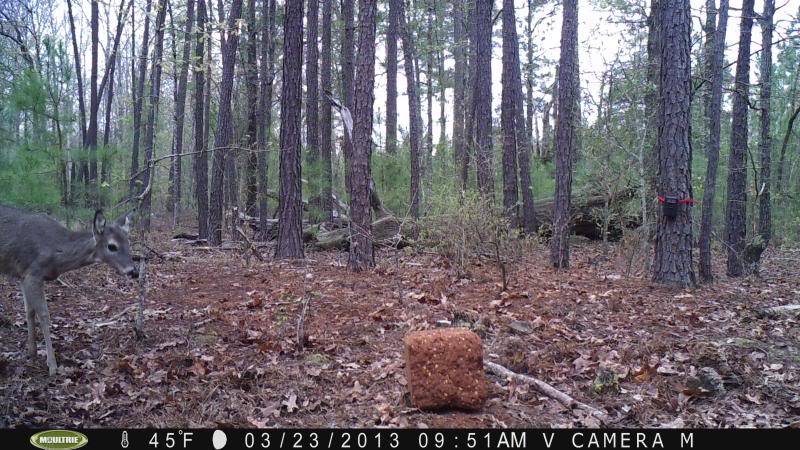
(59,440)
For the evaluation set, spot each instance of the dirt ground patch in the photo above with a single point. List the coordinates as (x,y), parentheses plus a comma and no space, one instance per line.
(221,346)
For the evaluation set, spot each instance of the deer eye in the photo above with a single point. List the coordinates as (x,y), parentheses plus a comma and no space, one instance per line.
(112,248)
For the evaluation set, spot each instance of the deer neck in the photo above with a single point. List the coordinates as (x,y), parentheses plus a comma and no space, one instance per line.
(78,251)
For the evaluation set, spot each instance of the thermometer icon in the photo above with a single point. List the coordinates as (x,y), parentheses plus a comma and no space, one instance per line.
(124,443)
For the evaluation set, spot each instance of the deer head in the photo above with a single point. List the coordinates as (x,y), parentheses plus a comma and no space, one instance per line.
(112,245)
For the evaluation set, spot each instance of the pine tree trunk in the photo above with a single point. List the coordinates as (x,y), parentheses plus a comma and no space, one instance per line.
(391,78)
(361,246)
(200,156)
(566,132)
(94,107)
(348,71)
(290,207)
(138,102)
(460,42)
(312,96)
(251,90)
(765,97)
(152,115)
(224,134)
(415,112)
(712,149)
(482,96)
(265,109)
(326,118)
(508,114)
(180,109)
(673,245)
(736,217)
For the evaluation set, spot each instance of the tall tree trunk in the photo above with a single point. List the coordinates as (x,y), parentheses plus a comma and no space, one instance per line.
(94,106)
(710,30)
(78,72)
(290,198)
(326,118)
(265,109)
(312,96)
(508,114)
(414,109)
(180,108)
(200,156)
(736,217)
(361,246)
(391,78)
(779,184)
(765,97)
(224,134)
(482,96)
(108,80)
(152,115)
(428,171)
(523,133)
(566,135)
(460,42)
(251,90)
(712,150)
(348,71)
(673,246)
(138,97)
(654,30)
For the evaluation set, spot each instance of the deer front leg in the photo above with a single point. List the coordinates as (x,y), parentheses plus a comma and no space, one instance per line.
(30,319)
(34,293)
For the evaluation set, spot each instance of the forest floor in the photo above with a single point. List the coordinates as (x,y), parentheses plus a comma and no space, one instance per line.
(220,347)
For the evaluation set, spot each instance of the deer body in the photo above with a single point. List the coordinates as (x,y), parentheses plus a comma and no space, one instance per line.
(35,248)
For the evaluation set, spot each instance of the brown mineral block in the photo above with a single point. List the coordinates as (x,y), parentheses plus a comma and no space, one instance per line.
(444,369)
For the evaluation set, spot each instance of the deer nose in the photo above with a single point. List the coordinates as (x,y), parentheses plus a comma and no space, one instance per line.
(134,273)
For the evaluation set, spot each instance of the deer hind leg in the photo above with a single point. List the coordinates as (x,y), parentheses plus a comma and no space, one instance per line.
(34,294)
(30,319)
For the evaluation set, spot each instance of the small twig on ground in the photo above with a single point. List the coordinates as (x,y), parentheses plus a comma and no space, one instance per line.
(139,324)
(547,390)
(301,323)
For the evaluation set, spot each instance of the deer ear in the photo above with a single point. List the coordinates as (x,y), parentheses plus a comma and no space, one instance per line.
(125,222)
(99,223)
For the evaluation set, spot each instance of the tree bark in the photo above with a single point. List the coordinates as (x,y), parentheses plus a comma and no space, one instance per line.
(566,132)
(224,134)
(712,150)
(415,112)
(361,246)
(251,90)
(79,72)
(265,108)
(290,207)
(673,246)
(391,78)
(508,114)
(200,156)
(139,100)
(460,42)
(736,217)
(180,108)
(348,71)
(94,106)
(765,145)
(152,114)
(482,96)
(312,96)
(326,118)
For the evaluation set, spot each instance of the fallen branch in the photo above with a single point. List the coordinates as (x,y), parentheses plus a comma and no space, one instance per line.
(547,390)
(783,309)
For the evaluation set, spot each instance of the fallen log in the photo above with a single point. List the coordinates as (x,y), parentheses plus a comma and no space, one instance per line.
(585,220)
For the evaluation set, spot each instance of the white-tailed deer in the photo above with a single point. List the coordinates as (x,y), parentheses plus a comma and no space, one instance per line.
(35,248)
